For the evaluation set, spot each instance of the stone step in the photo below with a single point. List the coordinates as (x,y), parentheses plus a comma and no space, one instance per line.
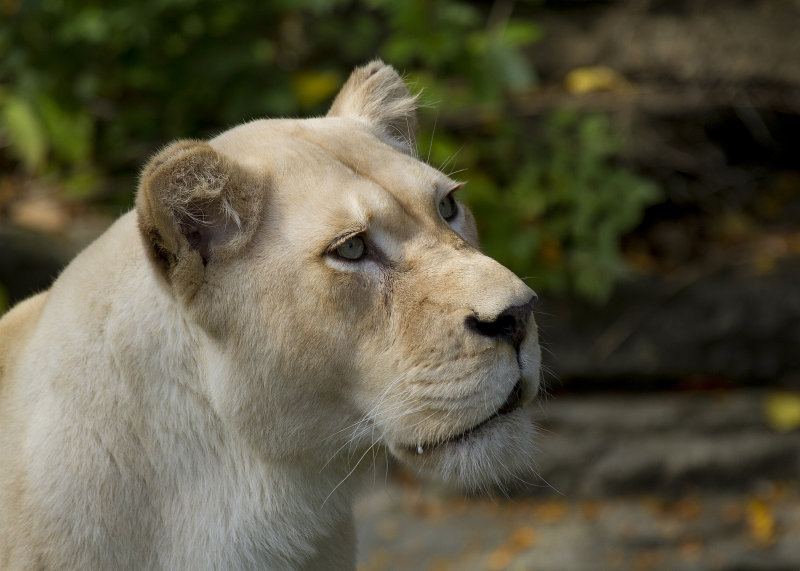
(662,481)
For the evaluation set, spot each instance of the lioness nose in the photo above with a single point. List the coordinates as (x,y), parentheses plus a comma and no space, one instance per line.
(509,326)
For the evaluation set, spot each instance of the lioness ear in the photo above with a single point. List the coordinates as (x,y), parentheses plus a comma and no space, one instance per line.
(376,94)
(195,206)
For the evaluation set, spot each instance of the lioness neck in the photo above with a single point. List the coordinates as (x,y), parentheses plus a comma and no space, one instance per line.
(172,484)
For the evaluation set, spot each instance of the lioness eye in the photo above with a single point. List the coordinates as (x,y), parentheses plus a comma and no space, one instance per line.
(351,249)
(448,207)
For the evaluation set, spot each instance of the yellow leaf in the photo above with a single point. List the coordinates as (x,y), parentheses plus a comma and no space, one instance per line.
(596,78)
(761,523)
(552,511)
(764,264)
(4,303)
(313,87)
(783,411)
(551,252)
(523,538)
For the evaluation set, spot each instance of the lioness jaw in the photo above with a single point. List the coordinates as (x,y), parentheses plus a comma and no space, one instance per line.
(199,387)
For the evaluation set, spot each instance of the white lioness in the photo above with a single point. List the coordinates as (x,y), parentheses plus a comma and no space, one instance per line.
(198,387)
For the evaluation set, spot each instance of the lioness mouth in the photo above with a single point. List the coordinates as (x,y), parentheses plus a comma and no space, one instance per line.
(511,403)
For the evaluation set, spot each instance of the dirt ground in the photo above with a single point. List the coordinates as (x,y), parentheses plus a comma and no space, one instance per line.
(673,481)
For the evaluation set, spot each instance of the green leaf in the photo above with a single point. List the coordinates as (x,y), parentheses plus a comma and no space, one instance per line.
(69,134)
(25,132)
(521,34)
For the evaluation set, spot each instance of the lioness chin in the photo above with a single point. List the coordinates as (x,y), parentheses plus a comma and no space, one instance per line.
(197,388)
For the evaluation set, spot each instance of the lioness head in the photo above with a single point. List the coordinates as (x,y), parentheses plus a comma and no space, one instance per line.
(341,288)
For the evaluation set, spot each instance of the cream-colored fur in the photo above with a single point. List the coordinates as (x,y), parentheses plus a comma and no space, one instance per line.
(199,386)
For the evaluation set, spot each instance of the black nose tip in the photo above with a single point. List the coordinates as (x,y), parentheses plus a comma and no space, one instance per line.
(509,326)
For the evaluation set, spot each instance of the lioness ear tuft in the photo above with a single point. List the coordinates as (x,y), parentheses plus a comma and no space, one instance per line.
(377,94)
(195,205)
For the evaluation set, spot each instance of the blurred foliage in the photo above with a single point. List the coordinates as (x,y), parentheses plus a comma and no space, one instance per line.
(90,88)
(561,198)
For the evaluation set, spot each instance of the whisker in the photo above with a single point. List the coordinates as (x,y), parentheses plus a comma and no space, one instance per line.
(350,473)
(433,132)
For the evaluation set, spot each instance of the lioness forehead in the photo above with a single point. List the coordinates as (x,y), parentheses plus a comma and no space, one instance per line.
(340,148)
